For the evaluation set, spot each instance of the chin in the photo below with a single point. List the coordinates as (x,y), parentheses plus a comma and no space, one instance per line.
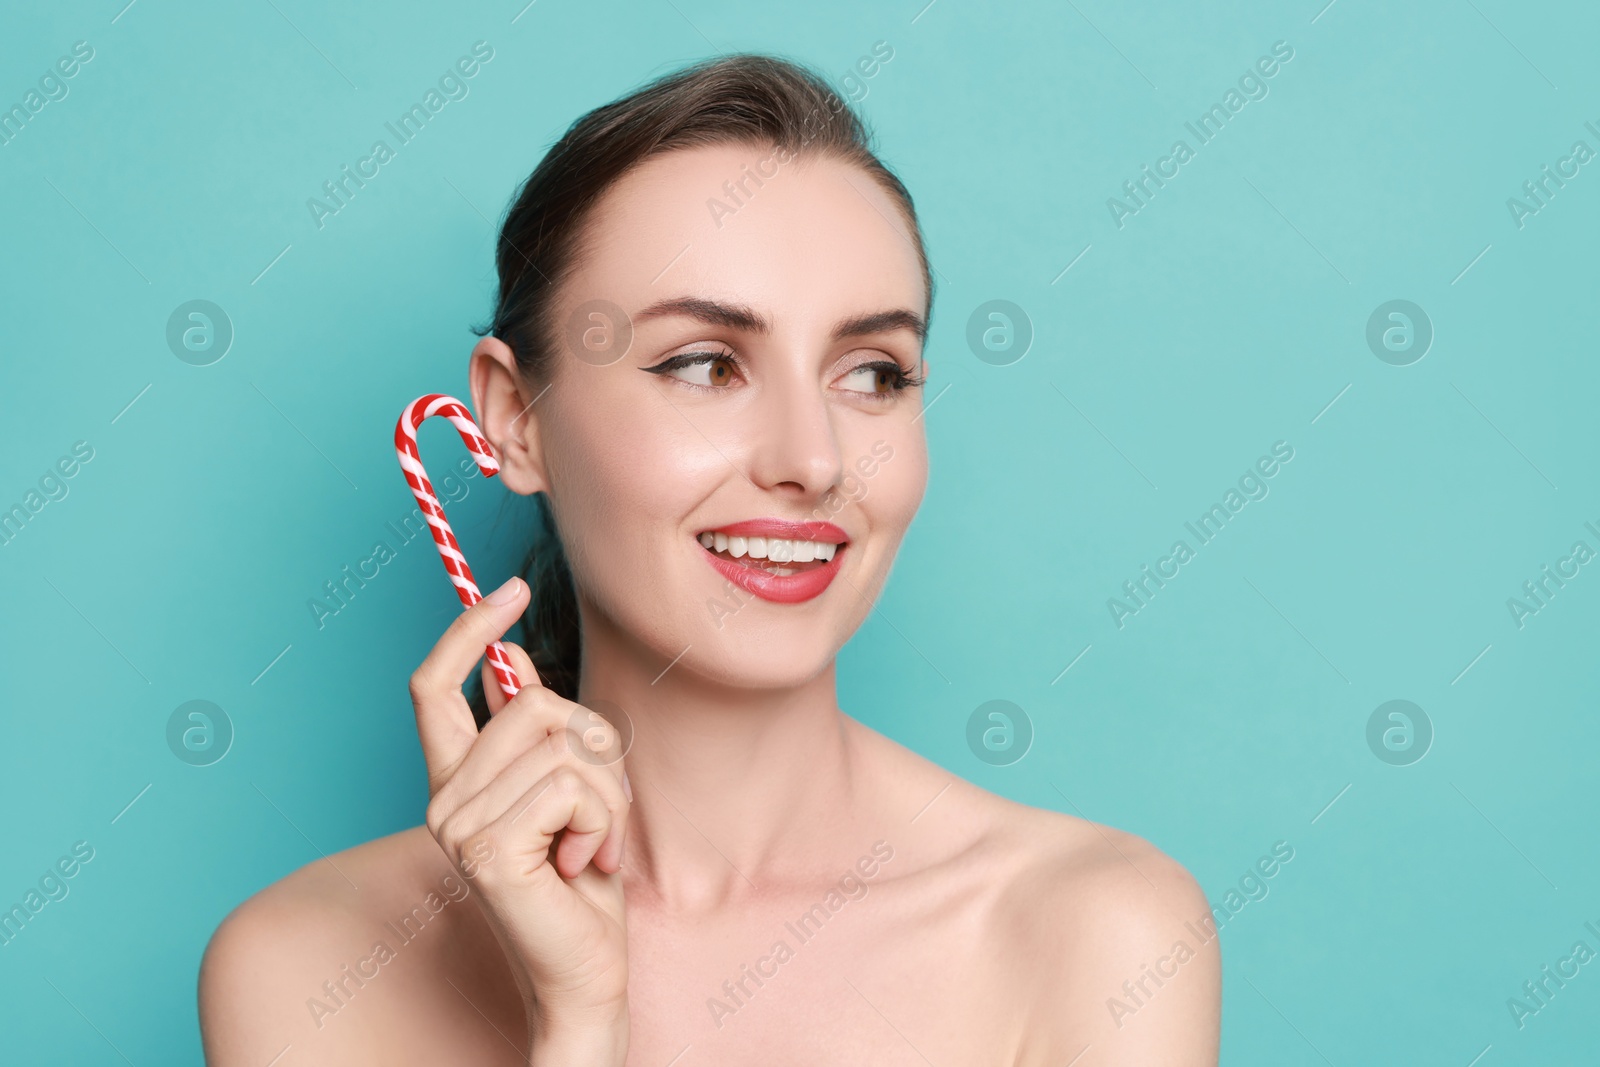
(746,666)
(772,611)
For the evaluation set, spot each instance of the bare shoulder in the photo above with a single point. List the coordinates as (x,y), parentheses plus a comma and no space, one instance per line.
(1099,937)
(344,959)
(1116,947)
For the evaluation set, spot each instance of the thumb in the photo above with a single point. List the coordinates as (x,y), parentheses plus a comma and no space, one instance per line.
(526,674)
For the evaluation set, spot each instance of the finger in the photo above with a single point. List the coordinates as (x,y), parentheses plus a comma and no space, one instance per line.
(527,674)
(527,719)
(596,744)
(532,715)
(512,784)
(444,722)
(561,802)
(578,813)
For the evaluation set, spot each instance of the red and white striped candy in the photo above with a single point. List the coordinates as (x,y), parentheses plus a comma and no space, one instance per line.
(455,564)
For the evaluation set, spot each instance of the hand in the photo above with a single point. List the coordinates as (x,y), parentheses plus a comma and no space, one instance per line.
(537,827)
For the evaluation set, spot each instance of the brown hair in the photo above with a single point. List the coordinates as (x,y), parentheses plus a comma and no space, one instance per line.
(740,99)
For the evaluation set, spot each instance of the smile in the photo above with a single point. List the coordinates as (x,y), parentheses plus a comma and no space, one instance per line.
(777,560)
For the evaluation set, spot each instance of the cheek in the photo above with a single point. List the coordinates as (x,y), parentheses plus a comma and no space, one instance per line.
(623,477)
(894,492)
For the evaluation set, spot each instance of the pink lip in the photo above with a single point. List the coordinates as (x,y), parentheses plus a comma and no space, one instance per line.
(789,589)
(792,531)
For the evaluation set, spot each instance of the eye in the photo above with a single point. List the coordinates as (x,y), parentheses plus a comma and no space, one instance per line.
(880,378)
(709,370)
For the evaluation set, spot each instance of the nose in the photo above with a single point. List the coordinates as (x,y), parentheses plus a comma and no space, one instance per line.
(795,448)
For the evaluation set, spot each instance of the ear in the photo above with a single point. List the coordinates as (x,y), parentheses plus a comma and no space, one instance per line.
(507,415)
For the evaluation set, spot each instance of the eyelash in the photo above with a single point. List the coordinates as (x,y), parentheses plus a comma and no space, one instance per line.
(690,359)
(901,378)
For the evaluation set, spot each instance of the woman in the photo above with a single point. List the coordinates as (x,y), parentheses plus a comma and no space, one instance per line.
(706,359)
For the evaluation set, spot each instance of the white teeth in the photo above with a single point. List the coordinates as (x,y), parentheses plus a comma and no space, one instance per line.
(776,549)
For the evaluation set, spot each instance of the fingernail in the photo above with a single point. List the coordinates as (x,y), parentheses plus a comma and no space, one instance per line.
(627,787)
(505,594)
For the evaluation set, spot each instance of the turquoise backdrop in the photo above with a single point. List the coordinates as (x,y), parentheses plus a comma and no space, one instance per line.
(1174,335)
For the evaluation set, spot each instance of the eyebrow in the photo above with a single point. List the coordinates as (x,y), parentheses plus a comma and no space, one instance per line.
(740,317)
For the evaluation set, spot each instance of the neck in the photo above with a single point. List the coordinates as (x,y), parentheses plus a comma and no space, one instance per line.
(733,788)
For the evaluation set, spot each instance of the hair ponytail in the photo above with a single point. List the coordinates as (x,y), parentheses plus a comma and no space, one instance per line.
(548,631)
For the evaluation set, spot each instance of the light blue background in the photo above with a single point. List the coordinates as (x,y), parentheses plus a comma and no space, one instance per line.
(1223,317)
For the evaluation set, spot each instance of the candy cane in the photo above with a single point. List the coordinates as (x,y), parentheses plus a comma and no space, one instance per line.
(455,564)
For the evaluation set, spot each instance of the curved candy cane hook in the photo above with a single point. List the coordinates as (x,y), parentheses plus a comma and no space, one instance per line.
(455,564)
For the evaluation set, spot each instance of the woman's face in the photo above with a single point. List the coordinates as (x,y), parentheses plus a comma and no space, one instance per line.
(774,329)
